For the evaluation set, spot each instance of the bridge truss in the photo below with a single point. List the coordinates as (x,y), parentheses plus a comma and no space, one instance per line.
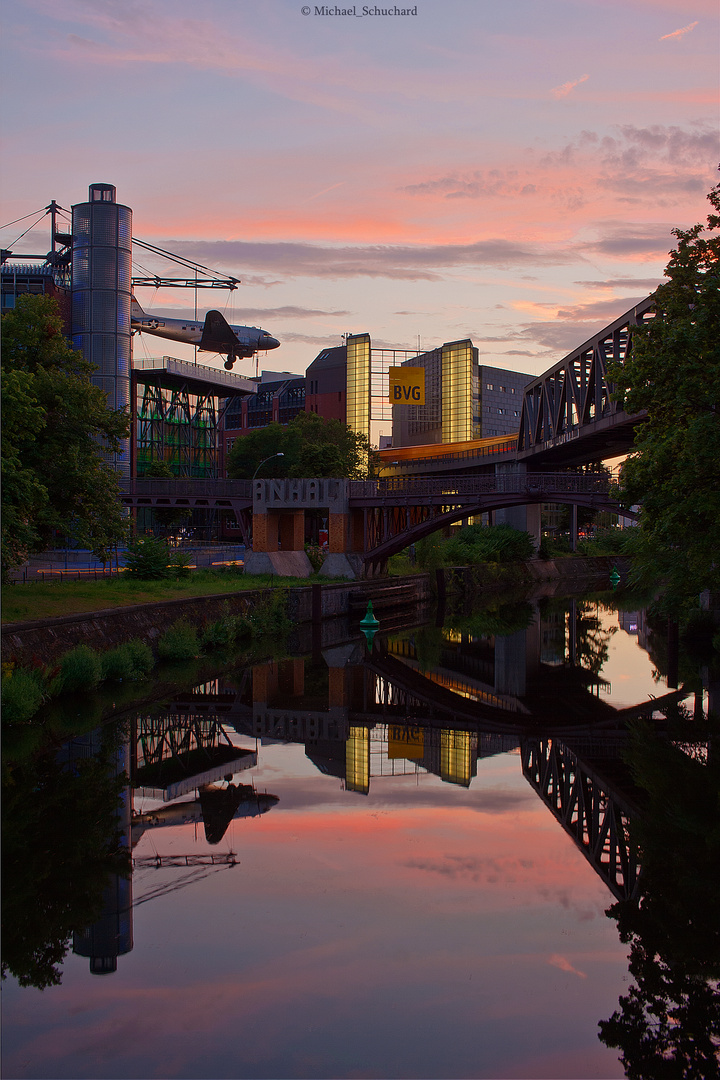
(574,399)
(597,821)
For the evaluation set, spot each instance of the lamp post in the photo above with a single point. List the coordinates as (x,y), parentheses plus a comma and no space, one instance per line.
(279,454)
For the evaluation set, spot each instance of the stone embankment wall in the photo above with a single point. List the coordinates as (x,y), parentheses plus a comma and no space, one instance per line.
(47,639)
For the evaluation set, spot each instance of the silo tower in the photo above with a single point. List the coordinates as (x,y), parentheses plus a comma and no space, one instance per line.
(101,294)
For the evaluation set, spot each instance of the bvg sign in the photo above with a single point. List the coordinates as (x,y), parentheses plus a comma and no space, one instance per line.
(407,385)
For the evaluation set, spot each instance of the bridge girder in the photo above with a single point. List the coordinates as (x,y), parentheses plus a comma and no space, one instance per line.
(575,394)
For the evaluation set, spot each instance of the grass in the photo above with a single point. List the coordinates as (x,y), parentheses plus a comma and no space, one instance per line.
(43,600)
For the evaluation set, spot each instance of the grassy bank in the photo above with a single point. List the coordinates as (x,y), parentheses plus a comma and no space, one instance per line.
(43,600)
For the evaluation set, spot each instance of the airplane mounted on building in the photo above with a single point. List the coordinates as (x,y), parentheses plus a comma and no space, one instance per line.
(211,334)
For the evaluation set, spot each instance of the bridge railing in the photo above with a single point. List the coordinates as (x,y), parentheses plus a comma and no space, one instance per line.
(423,487)
(156,487)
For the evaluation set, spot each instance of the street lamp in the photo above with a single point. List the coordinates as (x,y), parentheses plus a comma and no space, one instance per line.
(279,454)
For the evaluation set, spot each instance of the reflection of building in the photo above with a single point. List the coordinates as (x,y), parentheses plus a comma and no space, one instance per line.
(111,935)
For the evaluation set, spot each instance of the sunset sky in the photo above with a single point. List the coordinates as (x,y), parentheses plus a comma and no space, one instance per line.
(509,172)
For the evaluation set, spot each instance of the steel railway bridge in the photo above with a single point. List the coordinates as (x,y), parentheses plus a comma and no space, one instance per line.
(569,417)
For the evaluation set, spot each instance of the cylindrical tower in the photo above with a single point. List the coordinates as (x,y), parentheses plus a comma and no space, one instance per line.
(101,294)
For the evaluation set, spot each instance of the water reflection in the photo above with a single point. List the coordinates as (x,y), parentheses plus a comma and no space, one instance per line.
(426,701)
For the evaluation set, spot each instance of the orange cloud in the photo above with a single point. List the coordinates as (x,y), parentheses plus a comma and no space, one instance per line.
(679,33)
(564,90)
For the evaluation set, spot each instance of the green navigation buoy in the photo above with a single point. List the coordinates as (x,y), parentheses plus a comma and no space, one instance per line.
(369,625)
(614,578)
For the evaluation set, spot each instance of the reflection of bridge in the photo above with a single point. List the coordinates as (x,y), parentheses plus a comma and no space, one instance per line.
(385,717)
(591,810)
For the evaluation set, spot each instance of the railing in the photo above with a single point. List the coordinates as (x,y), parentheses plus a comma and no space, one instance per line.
(183,487)
(204,372)
(424,487)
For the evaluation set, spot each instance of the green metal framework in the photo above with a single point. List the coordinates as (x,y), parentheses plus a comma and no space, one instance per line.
(179,428)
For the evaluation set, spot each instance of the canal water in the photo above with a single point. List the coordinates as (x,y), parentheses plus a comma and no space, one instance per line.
(392,858)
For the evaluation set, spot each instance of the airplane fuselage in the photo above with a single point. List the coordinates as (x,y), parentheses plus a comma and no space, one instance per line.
(208,334)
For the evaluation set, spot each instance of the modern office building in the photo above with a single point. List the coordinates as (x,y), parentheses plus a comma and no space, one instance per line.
(463,399)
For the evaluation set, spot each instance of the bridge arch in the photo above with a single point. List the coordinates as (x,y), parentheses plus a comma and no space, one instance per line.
(409,531)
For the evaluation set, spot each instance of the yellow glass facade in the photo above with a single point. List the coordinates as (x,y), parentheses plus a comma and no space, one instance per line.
(458,386)
(357,760)
(406,742)
(455,757)
(358,383)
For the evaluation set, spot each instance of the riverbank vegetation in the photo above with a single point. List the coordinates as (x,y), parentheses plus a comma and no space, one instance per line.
(474,544)
(673,374)
(82,669)
(45,600)
(57,430)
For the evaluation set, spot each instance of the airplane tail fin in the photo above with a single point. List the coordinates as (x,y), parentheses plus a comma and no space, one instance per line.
(136,311)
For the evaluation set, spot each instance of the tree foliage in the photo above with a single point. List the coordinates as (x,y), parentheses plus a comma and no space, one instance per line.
(668,1024)
(60,841)
(673,373)
(310,445)
(56,427)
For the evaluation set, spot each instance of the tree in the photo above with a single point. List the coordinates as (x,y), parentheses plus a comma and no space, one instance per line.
(310,445)
(673,372)
(668,1024)
(60,841)
(57,428)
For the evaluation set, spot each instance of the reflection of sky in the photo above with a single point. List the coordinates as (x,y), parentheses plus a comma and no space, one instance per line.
(419,931)
(628,668)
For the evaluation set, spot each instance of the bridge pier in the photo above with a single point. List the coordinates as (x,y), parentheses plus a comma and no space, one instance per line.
(526,518)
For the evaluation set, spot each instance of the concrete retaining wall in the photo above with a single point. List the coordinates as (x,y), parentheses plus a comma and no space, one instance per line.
(47,639)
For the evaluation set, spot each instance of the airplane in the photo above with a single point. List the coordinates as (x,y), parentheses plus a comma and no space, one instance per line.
(211,334)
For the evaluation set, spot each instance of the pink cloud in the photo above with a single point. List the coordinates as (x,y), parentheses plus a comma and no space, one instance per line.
(679,33)
(564,964)
(564,90)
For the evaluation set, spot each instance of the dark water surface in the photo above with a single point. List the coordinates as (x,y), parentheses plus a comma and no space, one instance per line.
(386,863)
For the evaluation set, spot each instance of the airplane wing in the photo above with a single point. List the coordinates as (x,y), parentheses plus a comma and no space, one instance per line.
(217,335)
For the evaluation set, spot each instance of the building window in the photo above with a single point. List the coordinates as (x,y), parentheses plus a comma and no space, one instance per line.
(488,386)
(502,389)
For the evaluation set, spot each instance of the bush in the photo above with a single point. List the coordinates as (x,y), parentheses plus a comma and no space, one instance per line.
(488,543)
(429,552)
(80,669)
(116,664)
(133,660)
(179,565)
(148,559)
(316,555)
(22,696)
(550,546)
(226,630)
(142,658)
(179,642)
(607,542)
(270,615)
